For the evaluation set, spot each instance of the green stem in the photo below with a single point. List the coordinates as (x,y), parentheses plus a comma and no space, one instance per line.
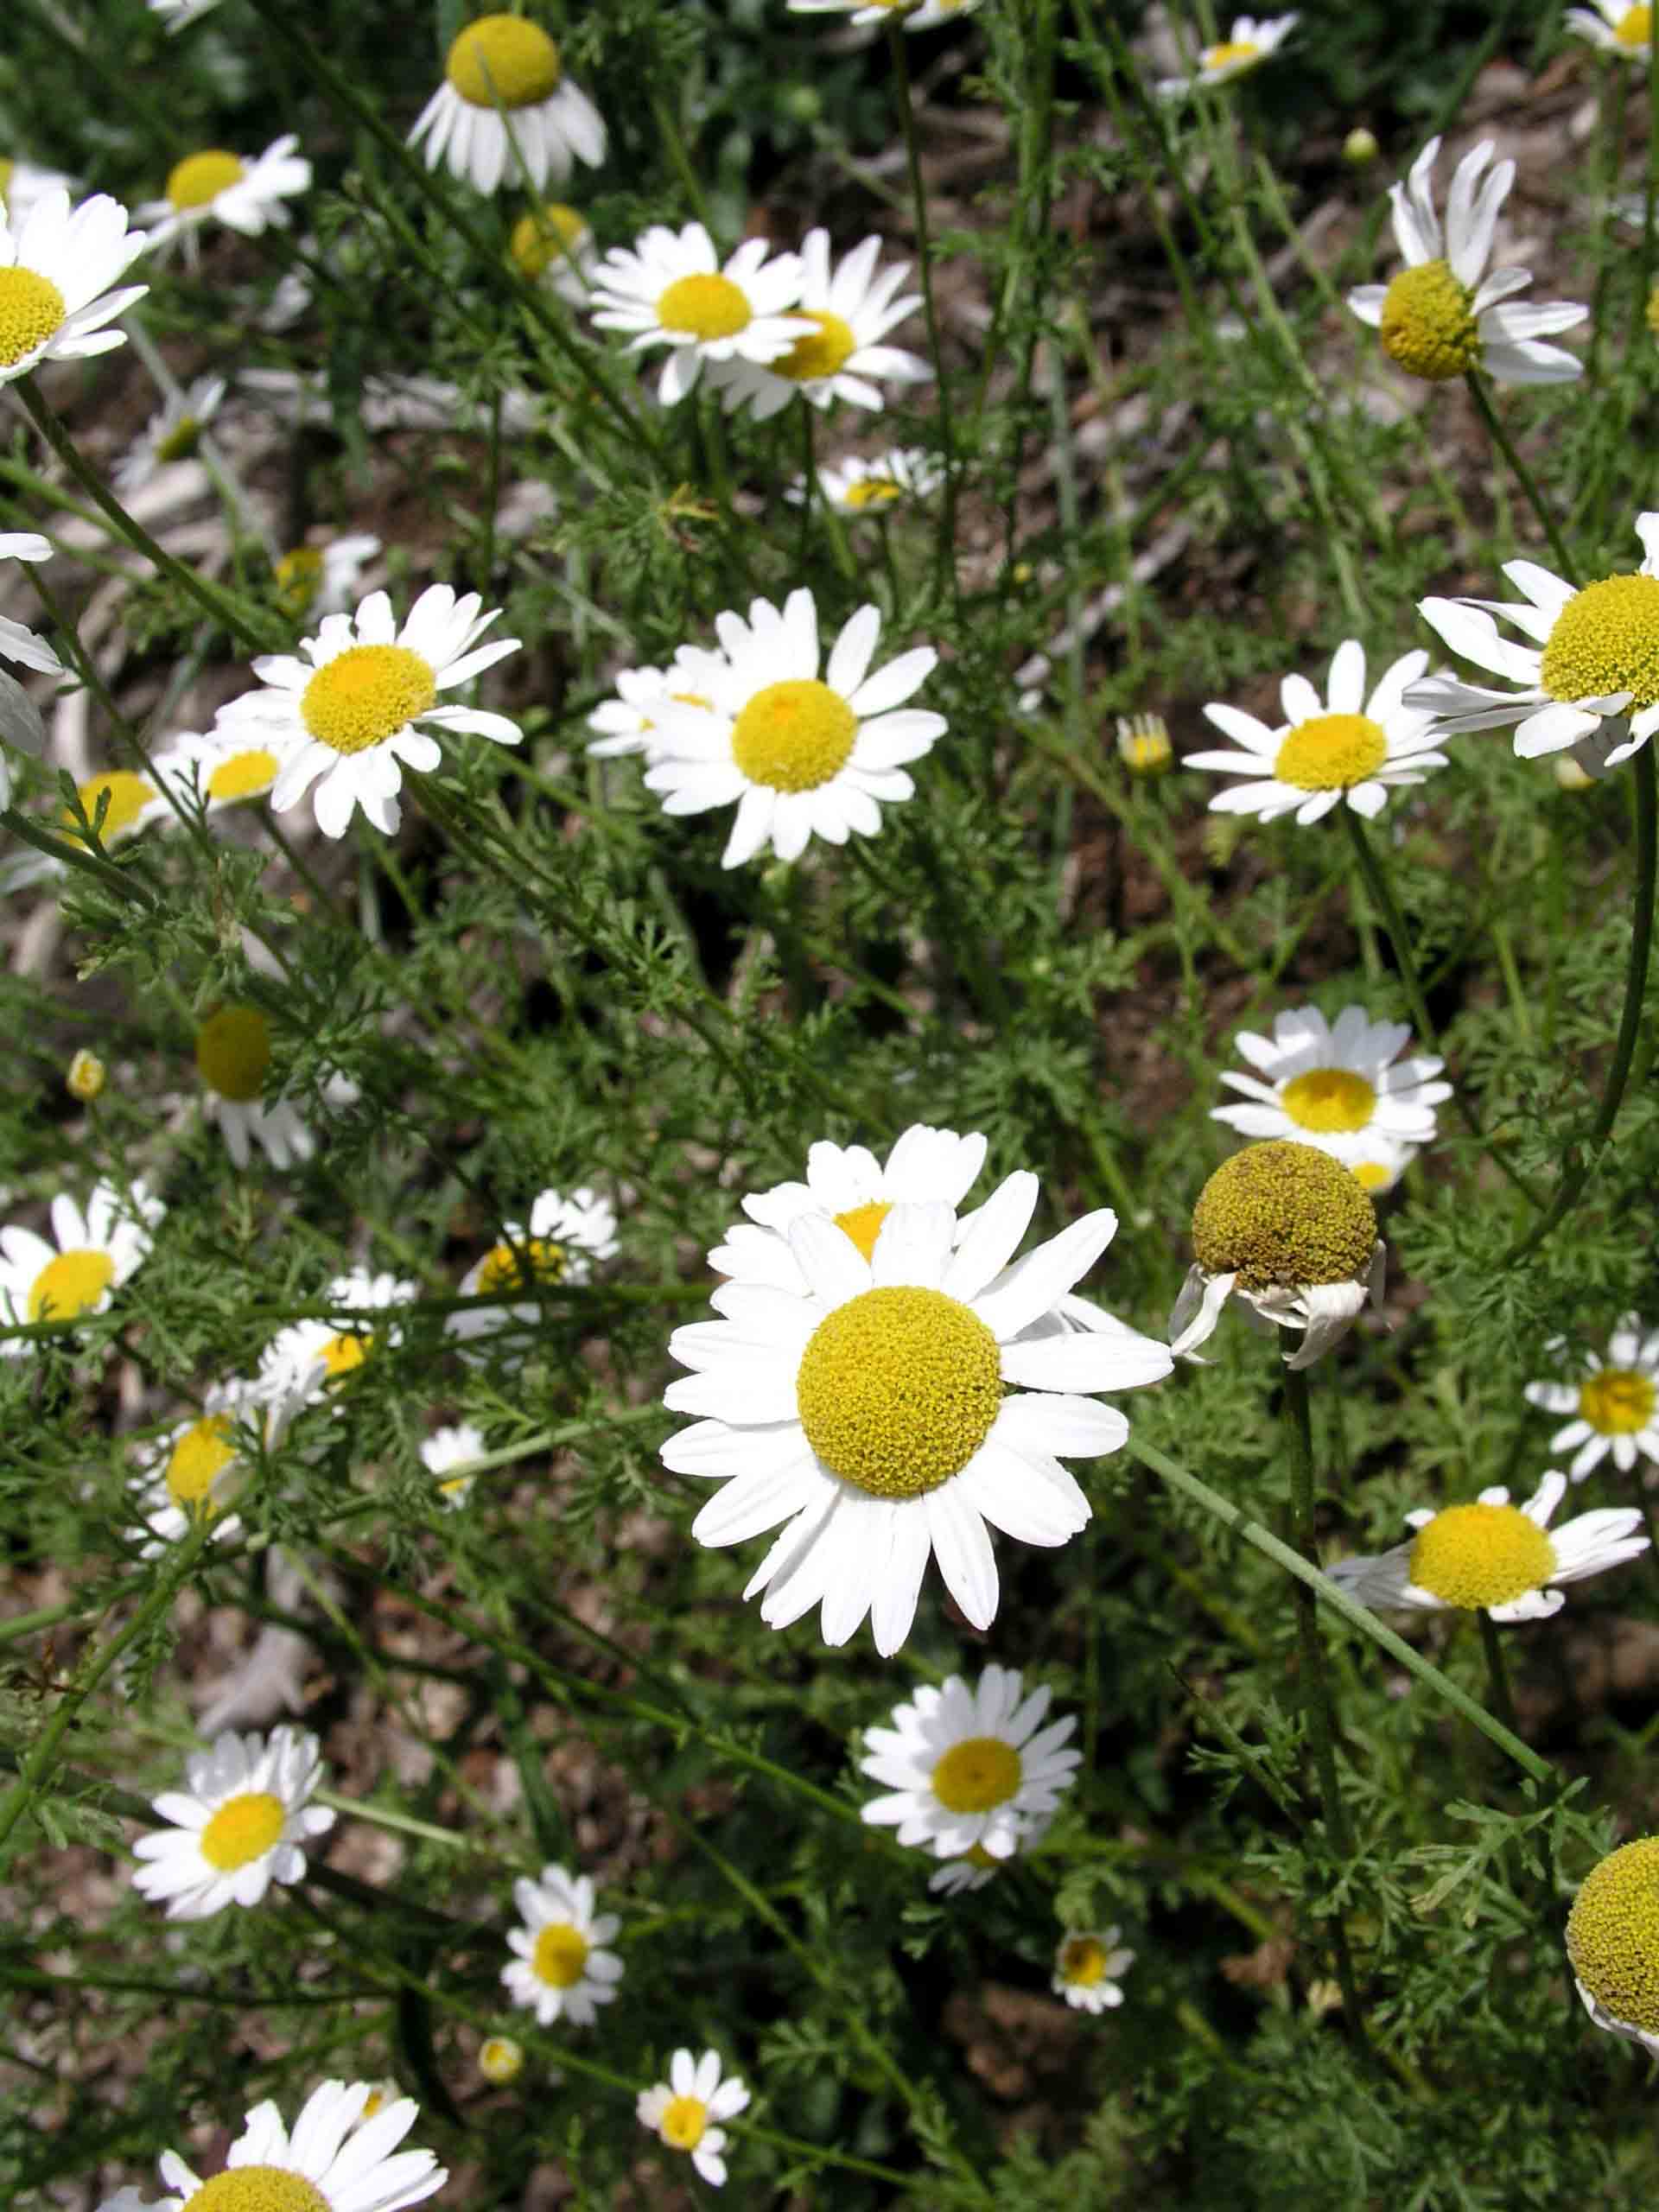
(118,880)
(1523,476)
(1496,1672)
(946,547)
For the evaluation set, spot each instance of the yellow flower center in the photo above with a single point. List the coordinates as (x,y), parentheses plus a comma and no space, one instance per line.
(1329,1099)
(197,1461)
(819,352)
(1231,54)
(298,574)
(863,1223)
(1083,1961)
(1284,1214)
(70,1285)
(242,775)
(1428,323)
(503,62)
(1372,1174)
(683,2121)
(128,796)
(1477,1555)
(86,1077)
(794,736)
(233,1052)
(560,1954)
(342,1355)
(869,491)
(1617,1402)
(1633,26)
(520,1266)
(977,1773)
(1606,639)
(366,695)
(243,1829)
(199,179)
(499,2058)
(1329,753)
(705,306)
(897,1390)
(1612,1934)
(1143,744)
(258,2189)
(181,441)
(549,233)
(31,308)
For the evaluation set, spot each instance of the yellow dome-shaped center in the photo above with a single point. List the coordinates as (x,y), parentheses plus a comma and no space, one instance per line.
(244,1828)
(897,1390)
(501,2059)
(863,1223)
(247,774)
(560,1954)
(1284,1214)
(258,2189)
(344,1354)
(819,352)
(683,2121)
(1634,27)
(533,1260)
(794,736)
(1373,1176)
(705,306)
(1481,1555)
(197,1460)
(503,62)
(1428,323)
(1616,1400)
(233,1052)
(1612,1934)
(31,308)
(1083,1961)
(547,234)
(366,695)
(871,492)
(1605,639)
(71,1285)
(128,796)
(1329,753)
(976,1774)
(1329,1101)
(198,180)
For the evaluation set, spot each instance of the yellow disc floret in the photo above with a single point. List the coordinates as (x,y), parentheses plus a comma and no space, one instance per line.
(31,308)
(197,1461)
(243,1829)
(1330,752)
(1617,1402)
(503,62)
(549,233)
(501,2059)
(897,1390)
(258,2189)
(560,1954)
(871,492)
(233,1052)
(366,695)
(794,736)
(1329,1099)
(1283,1214)
(683,2121)
(522,1266)
(1604,640)
(863,1223)
(1612,1935)
(1083,1961)
(1481,1555)
(1232,55)
(71,1285)
(1428,323)
(819,352)
(198,180)
(705,306)
(976,1774)
(129,795)
(242,775)
(1635,27)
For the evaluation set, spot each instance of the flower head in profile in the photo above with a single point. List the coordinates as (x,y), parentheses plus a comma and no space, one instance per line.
(363,703)
(56,268)
(236,1827)
(848,311)
(1494,1557)
(1345,748)
(803,754)
(247,195)
(233,1059)
(92,1255)
(1290,1232)
(1624,27)
(190,1473)
(1249,42)
(629,722)
(1340,1087)
(1589,674)
(172,433)
(892,1406)
(968,1770)
(506,110)
(551,245)
(1613,1941)
(447,1455)
(1086,1969)
(562,1970)
(559,1243)
(337,2158)
(1615,1405)
(215,769)
(669,289)
(858,486)
(1442,315)
(683,2109)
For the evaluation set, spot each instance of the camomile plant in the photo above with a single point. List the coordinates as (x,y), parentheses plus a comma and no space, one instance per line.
(1614,1404)
(685,2111)
(248,195)
(849,310)
(561,1969)
(970,1770)
(871,486)
(236,1827)
(1339,1086)
(93,1254)
(670,288)
(1250,41)
(506,110)
(1087,1967)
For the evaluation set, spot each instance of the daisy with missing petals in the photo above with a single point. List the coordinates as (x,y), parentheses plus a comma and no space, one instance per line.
(855,487)
(849,311)
(1337,1087)
(324,579)
(362,704)
(1590,674)
(681,2109)
(627,723)
(233,1059)
(450,1449)
(215,769)
(669,290)
(213,186)
(189,1474)
(173,434)
(505,109)
(1291,1232)
(1246,46)
(1617,27)
(237,1826)
(1613,1940)
(1086,1968)
(561,1971)
(336,2159)
(969,1769)
(802,755)
(1493,1557)
(558,1244)
(1613,1407)
(55,269)
(1343,748)
(95,1252)
(872,1410)
(1440,317)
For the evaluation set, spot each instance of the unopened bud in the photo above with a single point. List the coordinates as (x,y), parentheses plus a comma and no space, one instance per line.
(499,2059)
(1358,147)
(86,1077)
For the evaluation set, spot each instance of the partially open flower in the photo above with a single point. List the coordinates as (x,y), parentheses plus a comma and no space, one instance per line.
(1612,1939)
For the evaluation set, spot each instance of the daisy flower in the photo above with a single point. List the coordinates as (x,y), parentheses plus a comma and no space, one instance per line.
(336,2159)
(855,487)
(215,769)
(363,703)
(505,106)
(189,1474)
(21,184)
(96,1253)
(1086,1968)
(55,267)
(1440,317)
(1590,676)
(172,433)
(669,290)
(1292,1232)
(552,244)
(627,723)
(1339,1089)
(1343,748)
(680,2108)
(558,1244)
(915,15)
(872,1410)
(561,1971)
(130,802)
(244,196)
(977,1867)
(1494,1557)
(848,311)
(233,1060)
(236,1827)
(305,1363)
(1616,27)
(448,1448)
(1613,1941)
(1614,1406)
(323,578)
(1249,43)
(1143,744)
(802,755)
(969,1769)
(500,2059)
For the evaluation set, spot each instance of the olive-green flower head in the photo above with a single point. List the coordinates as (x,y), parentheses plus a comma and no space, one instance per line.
(1612,1939)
